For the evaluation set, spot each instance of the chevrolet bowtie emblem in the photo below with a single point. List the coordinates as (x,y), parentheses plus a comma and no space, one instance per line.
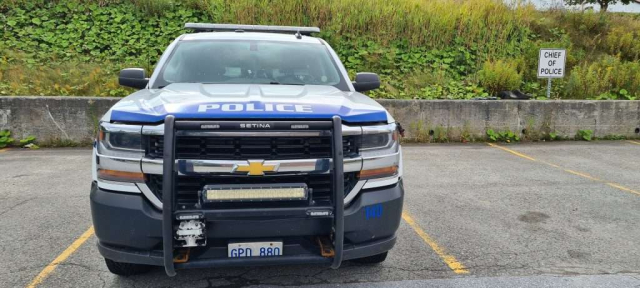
(256,167)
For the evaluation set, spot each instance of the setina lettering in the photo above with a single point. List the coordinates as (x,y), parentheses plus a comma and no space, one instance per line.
(253,107)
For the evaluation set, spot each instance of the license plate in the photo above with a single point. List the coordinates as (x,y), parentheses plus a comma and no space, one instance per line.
(255,249)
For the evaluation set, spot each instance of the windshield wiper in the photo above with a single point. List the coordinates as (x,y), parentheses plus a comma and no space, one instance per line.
(278,83)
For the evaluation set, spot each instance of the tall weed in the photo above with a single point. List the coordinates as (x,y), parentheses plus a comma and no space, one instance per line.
(607,75)
(435,49)
(500,75)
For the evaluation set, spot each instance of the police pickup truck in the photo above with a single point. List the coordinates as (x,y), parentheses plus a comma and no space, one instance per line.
(248,145)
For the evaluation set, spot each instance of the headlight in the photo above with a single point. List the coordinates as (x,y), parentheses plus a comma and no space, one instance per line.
(379,137)
(380,152)
(120,140)
(119,151)
(373,141)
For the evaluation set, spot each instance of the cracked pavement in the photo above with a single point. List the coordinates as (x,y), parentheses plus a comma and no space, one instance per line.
(510,221)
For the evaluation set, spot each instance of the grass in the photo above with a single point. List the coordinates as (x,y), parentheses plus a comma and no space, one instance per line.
(436,49)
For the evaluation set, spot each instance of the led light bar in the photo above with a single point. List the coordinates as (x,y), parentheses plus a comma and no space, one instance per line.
(204,27)
(257,192)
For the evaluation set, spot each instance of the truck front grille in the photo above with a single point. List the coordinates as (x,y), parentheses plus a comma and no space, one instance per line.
(187,187)
(241,148)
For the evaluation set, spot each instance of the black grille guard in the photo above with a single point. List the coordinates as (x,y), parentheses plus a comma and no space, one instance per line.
(169,207)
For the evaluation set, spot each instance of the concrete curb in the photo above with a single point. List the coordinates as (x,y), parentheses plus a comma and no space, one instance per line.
(74,119)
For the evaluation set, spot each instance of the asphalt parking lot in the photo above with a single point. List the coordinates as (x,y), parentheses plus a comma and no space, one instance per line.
(561,214)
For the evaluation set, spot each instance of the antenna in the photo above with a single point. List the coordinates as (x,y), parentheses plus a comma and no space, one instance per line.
(149,58)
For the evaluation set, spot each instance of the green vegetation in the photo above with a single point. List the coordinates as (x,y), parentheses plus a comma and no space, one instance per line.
(500,76)
(586,135)
(60,143)
(5,138)
(7,141)
(437,49)
(505,136)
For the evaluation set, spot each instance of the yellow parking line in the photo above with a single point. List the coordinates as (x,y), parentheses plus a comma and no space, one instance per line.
(512,152)
(623,188)
(451,261)
(61,258)
(581,174)
(633,142)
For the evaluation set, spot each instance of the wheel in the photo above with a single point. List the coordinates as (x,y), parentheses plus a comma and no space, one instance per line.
(126,269)
(375,259)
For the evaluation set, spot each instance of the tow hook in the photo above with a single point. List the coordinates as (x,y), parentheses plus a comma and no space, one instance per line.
(326,249)
(181,255)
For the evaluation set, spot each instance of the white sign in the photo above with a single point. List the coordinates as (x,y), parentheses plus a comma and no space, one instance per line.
(551,63)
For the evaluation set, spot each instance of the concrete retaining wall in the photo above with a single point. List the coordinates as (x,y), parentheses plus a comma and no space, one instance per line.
(529,119)
(75,118)
(52,119)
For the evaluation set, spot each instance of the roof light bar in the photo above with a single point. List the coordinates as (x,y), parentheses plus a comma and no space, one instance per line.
(206,27)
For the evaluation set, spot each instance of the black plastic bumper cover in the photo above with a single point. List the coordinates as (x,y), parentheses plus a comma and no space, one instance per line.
(129,229)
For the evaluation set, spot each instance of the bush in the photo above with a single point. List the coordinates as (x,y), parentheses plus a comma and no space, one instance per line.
(607,75)
(71,77)
(421,49)
(625,44)
(501,75)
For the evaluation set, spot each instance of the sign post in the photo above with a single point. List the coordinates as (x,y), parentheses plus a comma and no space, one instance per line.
(551,65)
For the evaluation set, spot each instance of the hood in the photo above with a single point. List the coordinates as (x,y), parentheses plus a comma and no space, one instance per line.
(243,101)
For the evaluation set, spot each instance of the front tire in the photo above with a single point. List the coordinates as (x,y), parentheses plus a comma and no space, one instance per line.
(126,269)
(375,259)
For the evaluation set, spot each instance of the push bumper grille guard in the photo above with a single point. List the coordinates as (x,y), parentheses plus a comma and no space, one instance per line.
(168,198)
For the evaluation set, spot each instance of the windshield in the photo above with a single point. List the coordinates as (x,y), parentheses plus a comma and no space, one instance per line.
(250,62)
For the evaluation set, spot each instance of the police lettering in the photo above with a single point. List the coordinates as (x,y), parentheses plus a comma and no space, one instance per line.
(551,71)
(252,107)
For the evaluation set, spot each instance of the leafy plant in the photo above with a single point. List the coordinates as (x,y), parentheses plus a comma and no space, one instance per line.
(28,142)
(505,136)
(7,141)
(5,138)
(624,94)
(508,136)
(492,135)
(586,135)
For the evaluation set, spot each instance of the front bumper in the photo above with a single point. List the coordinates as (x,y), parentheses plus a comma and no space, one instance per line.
(129,229)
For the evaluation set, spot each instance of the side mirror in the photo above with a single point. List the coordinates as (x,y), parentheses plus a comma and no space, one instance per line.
(133,77)
(366,81)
